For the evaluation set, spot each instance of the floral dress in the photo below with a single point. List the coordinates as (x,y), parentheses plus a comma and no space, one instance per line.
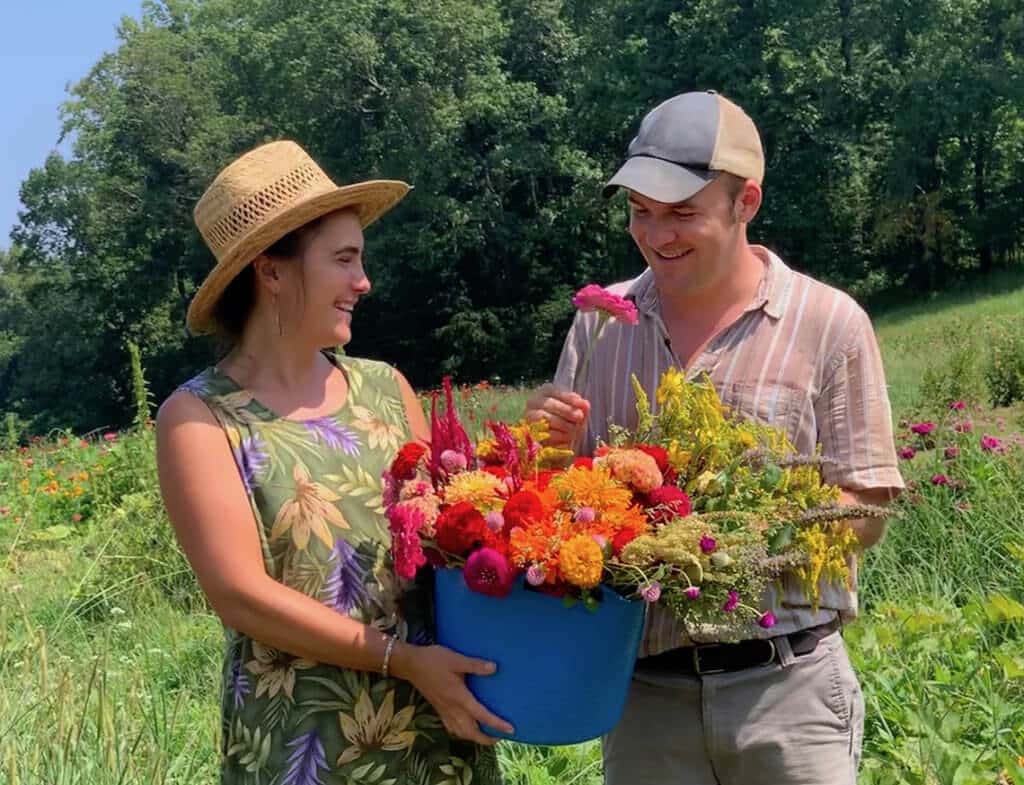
(315,488)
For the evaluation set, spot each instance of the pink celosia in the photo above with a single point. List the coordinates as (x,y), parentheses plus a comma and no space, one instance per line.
(940,479)
(596,298)
(488,572)
(405,523)
(446,433)
(923,428)
(907,453)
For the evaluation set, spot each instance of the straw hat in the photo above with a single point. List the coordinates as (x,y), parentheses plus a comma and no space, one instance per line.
(260,198)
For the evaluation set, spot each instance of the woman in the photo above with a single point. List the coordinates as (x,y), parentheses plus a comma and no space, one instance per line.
(270,466)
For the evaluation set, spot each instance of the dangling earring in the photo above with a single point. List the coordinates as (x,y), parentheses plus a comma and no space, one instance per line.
(277,318)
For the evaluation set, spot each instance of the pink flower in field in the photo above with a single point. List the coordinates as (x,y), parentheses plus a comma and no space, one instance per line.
(692,593)
(708,544)
(957,406)
(907,453)
(767,620)
(5,510)
(488,572)
(110,436)
(732,603)
(922,428)
(991,444)
(83,443)
(964,426)
(596,298)
(77,517)
(940,479)
(29,462)
(651,592)
(952,452)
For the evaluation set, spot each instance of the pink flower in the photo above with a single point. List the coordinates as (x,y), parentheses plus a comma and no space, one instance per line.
(29,462)
(453,461)
(940,479)
(495,521)
(5,510)
(922,428)
(77,517)
(535,575)
(907,453)
(651,592)
(952,452)
(692,593)
(83,443)
(110,436)
(596,298)
(767,620)
(584,515)
(991,444)
(964,426)
(732,603)
(707,544)
(488,572)
(957,406)
(405,523)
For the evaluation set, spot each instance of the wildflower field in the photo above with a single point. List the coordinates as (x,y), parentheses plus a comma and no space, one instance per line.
(109,659)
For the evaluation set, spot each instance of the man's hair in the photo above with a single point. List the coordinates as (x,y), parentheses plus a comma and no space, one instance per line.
(733,184)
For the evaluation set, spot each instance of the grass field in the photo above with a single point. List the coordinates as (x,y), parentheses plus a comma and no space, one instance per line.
(109,661)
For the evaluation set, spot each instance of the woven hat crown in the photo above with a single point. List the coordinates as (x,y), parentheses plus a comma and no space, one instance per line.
(254,189)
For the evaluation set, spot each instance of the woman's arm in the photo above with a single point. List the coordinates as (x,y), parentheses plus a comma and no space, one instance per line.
(214,524)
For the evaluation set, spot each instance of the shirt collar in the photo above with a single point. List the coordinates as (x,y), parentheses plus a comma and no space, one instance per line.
(771,295)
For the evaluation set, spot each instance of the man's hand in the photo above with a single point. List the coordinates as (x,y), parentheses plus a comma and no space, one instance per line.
(868,530)
(565,411)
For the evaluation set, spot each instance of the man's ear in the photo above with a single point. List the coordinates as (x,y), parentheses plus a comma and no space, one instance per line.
(749,202)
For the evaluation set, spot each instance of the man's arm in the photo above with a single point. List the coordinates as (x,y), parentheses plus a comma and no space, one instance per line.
(869,530)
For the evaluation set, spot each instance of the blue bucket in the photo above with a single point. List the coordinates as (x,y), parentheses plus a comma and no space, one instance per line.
(563,673)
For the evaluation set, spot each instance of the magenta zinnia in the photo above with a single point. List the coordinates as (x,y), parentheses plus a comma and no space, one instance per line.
(488,572)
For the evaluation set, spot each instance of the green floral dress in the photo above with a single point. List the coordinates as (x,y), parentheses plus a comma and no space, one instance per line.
(315,488)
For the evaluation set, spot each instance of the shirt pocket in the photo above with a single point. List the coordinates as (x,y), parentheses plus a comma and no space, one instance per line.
(776,405)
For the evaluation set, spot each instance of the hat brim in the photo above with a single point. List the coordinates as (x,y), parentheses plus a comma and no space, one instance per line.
(370,199)
(659,180)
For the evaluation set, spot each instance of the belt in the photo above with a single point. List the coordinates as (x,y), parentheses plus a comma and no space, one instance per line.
(709,658)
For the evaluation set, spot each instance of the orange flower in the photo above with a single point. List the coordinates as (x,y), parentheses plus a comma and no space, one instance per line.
(537,544)
(580,561)
(596,488)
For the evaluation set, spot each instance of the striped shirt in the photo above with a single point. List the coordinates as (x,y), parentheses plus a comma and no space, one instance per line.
(802,357)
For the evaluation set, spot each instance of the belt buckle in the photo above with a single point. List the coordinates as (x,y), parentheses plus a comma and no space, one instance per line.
(696,661)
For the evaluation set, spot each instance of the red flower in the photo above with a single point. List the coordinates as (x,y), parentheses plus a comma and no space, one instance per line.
(460,528)
(488,572)
(622,539)
(521,508)
(583,463)
(670,502)
(544,477)
(408,458)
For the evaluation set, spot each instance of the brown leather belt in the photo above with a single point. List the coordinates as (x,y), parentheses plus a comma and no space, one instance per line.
(709,658)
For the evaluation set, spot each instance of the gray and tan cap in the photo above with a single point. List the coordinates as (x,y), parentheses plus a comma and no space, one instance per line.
(682,145)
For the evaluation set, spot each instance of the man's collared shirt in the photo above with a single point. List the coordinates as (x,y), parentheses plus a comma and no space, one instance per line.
(802,357)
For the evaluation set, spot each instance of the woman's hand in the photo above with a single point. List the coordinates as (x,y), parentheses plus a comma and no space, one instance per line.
(440,676)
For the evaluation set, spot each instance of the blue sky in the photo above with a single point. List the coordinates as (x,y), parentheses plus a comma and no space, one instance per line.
(45,45)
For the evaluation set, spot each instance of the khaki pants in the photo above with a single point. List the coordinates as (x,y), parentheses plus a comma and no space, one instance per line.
(795,723)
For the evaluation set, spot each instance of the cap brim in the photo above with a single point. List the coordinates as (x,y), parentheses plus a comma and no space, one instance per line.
(659,180)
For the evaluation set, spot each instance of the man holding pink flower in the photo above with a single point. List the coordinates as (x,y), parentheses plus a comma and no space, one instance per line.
(783,705)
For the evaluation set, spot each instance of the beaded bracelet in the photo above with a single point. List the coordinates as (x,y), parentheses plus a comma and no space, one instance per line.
(387,656)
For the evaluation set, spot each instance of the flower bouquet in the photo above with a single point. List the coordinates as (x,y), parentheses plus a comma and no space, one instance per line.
(544,564)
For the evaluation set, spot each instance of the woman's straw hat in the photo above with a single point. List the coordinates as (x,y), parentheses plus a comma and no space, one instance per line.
(260,198)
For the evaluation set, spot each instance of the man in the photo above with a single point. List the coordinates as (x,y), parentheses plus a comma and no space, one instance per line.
(783,349)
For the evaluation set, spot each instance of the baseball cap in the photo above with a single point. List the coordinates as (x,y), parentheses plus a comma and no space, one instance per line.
(684,143)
